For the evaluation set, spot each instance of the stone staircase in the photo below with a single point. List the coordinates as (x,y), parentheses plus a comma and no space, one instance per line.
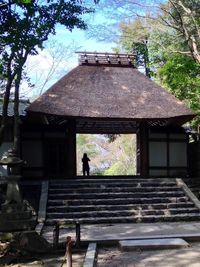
(117,200)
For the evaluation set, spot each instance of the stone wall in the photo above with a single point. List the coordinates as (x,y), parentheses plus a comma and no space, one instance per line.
(194,159)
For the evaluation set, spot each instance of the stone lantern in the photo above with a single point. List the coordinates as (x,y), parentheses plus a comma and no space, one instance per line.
(15,214)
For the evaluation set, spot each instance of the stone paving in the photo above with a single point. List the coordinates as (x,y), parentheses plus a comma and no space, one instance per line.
(152,244)
(108,232)
(113,257)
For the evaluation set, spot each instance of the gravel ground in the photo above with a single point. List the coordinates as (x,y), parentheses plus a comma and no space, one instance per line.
(186,257)
(113,257)
(51,261)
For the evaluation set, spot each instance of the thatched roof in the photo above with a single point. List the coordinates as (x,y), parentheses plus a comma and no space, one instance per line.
(109,92)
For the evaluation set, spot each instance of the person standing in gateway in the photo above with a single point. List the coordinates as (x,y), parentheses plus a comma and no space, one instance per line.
(86,167)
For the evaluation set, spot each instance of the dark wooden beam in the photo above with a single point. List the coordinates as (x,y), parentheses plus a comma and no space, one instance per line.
(71,148)
(144,151)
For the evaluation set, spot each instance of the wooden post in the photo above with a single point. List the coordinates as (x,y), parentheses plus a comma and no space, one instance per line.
(138,153)
(56,235)
(68,253)
(78,235)
(71,148)
(144,153)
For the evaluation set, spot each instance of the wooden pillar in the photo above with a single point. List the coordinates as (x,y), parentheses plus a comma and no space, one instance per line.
(143,147)
(138,171)
(71,148)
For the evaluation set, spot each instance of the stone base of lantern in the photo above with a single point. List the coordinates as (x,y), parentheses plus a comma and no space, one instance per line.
(8,224)
(16,217)
(16,214)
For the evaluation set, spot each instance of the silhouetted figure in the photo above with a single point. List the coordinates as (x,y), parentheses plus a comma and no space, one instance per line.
(86,167)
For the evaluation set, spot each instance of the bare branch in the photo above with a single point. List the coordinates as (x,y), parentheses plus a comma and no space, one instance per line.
(180,52)
(169,13)
(169,24)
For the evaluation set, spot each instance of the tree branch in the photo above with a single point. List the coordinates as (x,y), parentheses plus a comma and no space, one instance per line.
(189,12)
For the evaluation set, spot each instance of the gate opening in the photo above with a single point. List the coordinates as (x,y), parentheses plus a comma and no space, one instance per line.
(109,155)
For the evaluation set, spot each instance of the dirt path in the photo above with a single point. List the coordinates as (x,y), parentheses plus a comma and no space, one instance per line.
(113,257)
(187,257)
(51,261)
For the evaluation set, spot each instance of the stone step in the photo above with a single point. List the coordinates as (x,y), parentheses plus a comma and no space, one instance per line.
(129,219)
(104,189)
(97,200)
(119,213)
(117,201)
(65,208)
(171,211)
(110,184)
(76,196)
(152,244)
(96,179)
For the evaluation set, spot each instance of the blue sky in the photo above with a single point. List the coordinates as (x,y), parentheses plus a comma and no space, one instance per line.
(38,66)
(102,25)
(83,41)
(91,39)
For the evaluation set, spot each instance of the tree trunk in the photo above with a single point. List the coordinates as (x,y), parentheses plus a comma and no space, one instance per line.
(5,108)
(194,49)
(146,59)
(16,133)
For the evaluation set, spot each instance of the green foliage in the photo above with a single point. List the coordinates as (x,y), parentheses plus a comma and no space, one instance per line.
(97,172)
(111,137)
(174,48)
(25,27)
(34,22)
(124,156)
(134,38)
(134,32)
(184,14)
(181,76)
(108,158)
(116,168)
(160,45)
(24,1)
(86,144)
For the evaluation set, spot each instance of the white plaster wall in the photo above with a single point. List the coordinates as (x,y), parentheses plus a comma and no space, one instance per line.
(158,154)
(158,172)
(178,154)
(178,136)
(157,135)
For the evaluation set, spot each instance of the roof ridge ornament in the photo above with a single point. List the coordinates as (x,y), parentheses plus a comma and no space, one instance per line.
(108,58)
(85,57)
(96,58)
(111,59)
